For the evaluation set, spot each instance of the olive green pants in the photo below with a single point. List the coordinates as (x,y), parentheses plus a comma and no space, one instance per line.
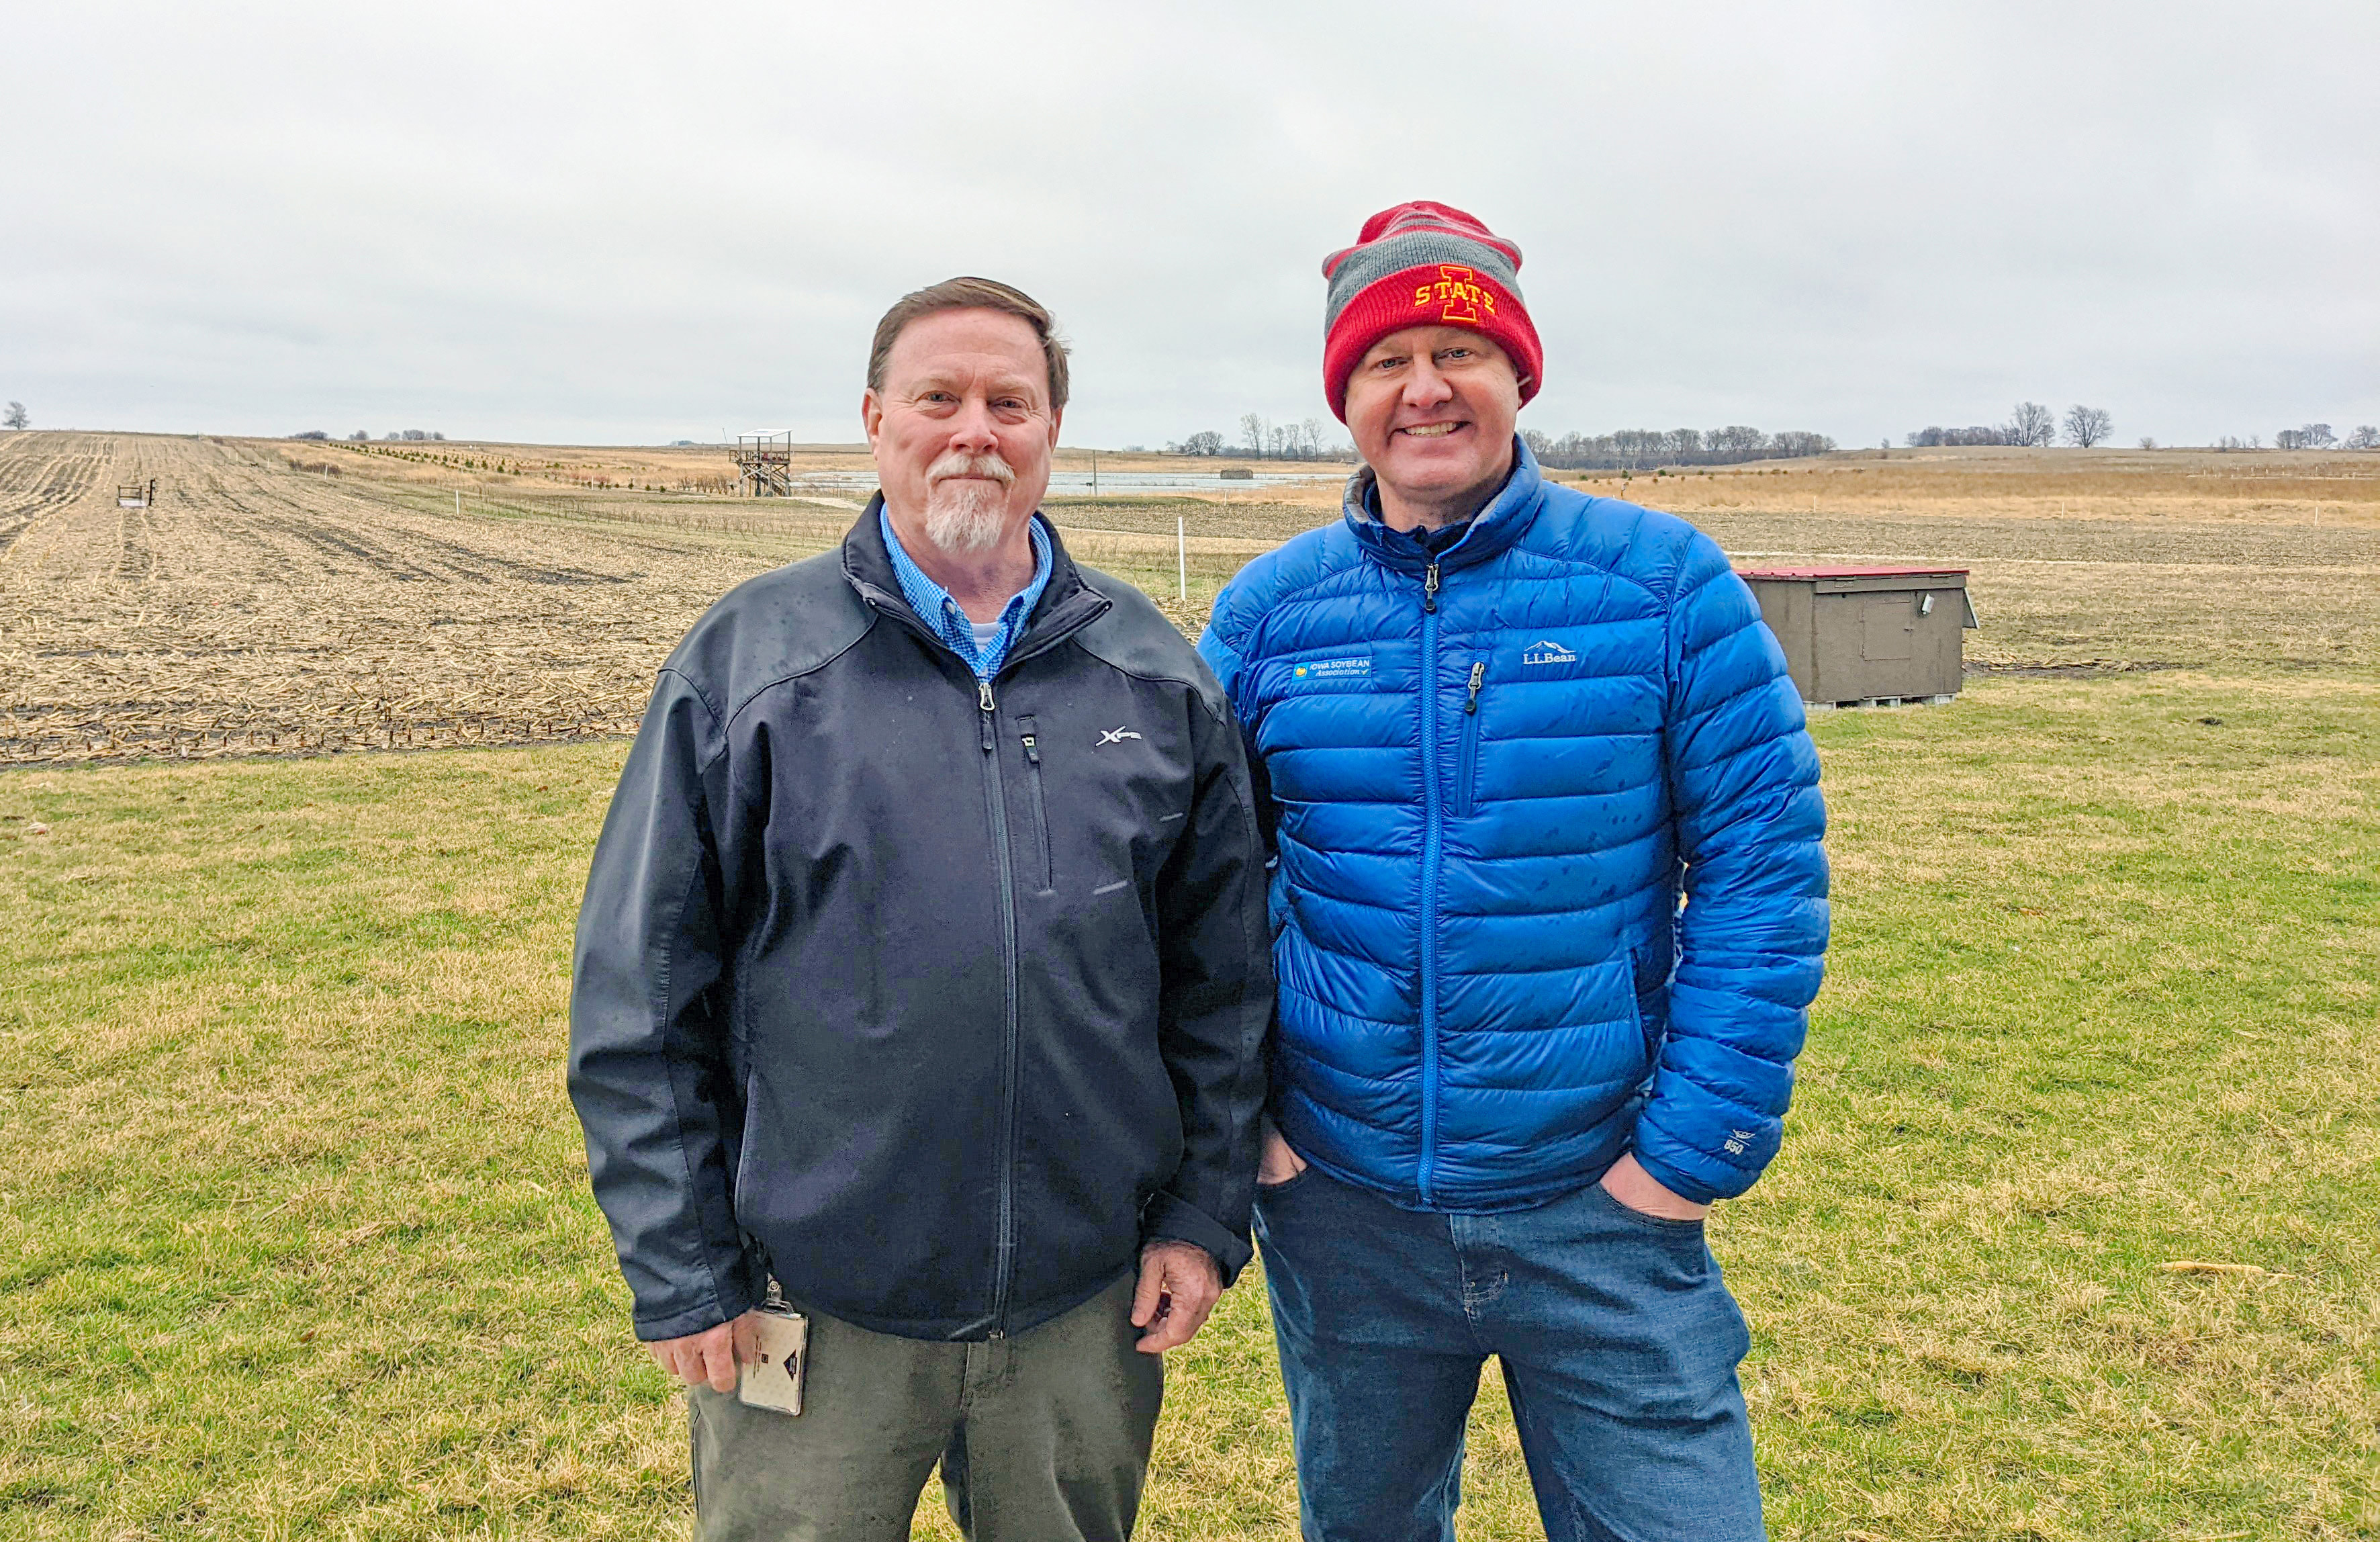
(1043,1437)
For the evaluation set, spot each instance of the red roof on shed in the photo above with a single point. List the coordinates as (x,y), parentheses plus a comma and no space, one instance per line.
(1846,572)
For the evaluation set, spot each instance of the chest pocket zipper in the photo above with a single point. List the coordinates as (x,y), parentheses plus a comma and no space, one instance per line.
(1049,868)
(1467,758)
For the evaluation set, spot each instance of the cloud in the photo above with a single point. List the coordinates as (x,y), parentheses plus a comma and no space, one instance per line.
(597,222)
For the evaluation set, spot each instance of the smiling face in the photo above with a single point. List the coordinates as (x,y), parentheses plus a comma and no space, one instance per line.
(962,429)
(1431,409)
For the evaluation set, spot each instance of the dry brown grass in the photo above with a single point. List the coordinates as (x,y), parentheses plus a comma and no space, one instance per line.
(2189,486)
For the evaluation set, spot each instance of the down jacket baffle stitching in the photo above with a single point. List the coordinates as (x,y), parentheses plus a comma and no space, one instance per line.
(1549,880)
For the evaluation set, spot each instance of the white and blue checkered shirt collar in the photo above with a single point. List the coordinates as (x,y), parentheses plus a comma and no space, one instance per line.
(938,609)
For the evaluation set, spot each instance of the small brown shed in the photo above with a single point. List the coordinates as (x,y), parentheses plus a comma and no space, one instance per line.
(1861,635)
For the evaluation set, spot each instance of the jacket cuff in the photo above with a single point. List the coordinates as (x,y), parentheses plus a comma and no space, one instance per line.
(1168,1219)
(695,1320)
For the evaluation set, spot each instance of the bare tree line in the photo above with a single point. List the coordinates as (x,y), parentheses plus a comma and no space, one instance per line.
(1636,449)
(2318,436)
(2030,423)
(1262,439)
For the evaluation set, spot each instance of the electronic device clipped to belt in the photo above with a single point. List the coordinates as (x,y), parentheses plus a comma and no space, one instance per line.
(780,1357)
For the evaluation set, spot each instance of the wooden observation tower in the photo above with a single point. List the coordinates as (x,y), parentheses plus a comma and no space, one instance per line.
(764,464)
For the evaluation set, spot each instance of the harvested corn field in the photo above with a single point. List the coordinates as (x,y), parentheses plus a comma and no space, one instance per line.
(281,598)
(278,600)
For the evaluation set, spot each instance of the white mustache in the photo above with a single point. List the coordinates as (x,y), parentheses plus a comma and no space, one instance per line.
(958,465)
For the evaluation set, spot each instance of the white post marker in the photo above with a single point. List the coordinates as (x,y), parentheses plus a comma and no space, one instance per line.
(459,502)
(1182,557)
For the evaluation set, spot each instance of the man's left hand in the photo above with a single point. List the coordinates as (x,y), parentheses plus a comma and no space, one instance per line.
(1629,1183)
(1179,1284)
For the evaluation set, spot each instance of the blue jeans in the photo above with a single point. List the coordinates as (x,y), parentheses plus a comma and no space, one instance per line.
(1618,1339)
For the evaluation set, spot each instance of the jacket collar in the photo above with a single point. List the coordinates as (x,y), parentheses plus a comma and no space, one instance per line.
(1067,603)
(1504,520)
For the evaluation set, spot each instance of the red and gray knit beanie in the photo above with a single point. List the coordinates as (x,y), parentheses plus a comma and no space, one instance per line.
(1424,264)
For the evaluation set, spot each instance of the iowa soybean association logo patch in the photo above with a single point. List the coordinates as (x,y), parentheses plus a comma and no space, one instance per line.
(1334,669)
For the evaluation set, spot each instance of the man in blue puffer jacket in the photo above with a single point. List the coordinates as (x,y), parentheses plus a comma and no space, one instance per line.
(1548,910)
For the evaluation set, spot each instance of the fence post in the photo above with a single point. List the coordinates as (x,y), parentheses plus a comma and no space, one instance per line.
(1182,558)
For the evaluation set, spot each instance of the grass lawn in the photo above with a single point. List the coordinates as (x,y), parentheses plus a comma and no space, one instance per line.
(296,1241)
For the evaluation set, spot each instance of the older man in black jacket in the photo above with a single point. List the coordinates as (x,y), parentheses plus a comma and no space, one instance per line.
(923,972)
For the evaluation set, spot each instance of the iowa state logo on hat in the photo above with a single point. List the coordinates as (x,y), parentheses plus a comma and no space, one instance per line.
(1459,290)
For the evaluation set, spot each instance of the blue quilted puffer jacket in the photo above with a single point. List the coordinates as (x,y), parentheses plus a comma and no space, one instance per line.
(1550,884)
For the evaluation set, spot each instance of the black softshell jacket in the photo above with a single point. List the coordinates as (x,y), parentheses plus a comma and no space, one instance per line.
(937,998)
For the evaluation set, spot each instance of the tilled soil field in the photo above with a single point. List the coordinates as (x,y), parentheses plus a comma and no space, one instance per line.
(261,609)
(292,598)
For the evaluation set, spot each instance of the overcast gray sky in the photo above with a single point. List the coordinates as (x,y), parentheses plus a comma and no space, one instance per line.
(599,221)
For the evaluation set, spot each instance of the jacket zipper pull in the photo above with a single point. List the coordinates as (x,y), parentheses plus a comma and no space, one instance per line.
(1429,588)
(1478,673)
(1031,753)
(983,699)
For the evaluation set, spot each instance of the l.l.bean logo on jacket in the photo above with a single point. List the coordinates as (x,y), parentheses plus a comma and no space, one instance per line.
(1547,651)
(1456,290)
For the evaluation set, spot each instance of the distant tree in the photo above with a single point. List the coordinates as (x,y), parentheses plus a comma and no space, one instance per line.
(1796,444)
(1252,429)
(1681,445)
(360,436)
(2317,436)
(413,435)
(1540,442)
(1206,442)
(15,417)
(2085,426)
(1638,448)
(1314,437)
(1928,438)
(310,433)
(2290,439)
(2147,444)
(2031,424)
(2365,437)
(1736,442)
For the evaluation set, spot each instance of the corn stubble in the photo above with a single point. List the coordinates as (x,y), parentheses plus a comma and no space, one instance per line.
(297,601)
(259,608)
